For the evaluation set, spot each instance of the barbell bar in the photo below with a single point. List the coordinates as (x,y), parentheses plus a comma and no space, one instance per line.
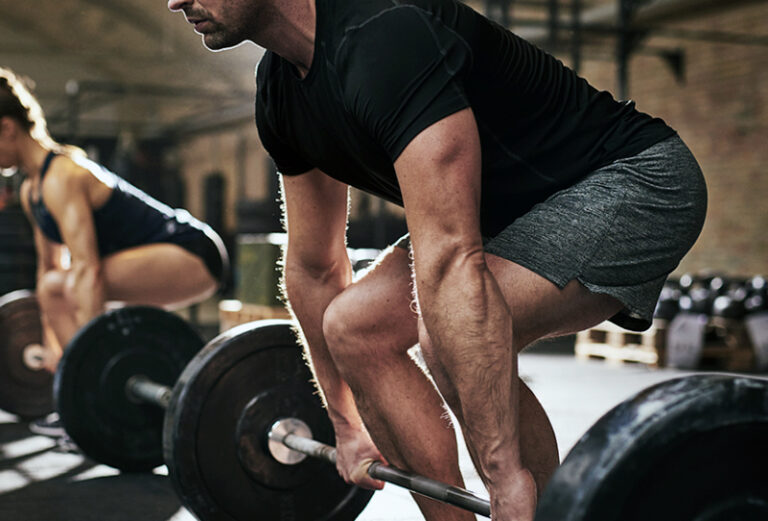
(283,432)
(141,388)
(666,453)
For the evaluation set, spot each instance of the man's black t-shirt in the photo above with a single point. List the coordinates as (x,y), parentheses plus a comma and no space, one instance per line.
(384,70)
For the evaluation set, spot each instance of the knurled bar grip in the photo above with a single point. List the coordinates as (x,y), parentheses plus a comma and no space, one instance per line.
(421,485)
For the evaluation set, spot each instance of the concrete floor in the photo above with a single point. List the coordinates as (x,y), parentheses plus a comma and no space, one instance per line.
(40,483)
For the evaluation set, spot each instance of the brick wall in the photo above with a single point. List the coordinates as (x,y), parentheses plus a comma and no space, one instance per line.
(721,111)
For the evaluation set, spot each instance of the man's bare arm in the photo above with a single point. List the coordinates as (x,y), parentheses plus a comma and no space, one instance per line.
(463,309)
(317,269)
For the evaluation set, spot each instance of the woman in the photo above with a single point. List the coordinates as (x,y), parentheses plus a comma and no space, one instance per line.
(123,245)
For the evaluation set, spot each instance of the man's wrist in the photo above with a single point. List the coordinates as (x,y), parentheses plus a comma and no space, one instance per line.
(346,424)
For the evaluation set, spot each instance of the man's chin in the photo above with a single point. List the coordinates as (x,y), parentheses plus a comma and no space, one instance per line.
(215,42)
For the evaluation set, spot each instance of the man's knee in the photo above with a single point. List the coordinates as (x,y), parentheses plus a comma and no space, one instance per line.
(344,327)
(357,334)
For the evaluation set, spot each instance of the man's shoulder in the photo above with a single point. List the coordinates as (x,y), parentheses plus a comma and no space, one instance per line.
(268,73)
(345,20)
(265,70)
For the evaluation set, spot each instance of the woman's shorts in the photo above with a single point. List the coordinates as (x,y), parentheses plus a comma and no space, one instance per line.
(209,246)
(619,231)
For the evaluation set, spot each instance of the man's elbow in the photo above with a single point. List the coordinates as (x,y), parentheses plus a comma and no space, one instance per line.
(448,259)
(298,275)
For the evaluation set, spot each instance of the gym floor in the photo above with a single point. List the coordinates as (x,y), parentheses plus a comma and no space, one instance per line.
(40,482)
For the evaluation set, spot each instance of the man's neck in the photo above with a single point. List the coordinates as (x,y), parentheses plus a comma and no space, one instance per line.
(291,33)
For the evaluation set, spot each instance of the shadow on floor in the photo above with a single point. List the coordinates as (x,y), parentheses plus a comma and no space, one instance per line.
(38,482)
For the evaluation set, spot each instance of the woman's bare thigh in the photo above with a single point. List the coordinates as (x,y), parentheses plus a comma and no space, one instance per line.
(161,274)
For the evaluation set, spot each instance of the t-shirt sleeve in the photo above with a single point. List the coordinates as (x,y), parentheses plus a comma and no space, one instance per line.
(401,71)
(287,160)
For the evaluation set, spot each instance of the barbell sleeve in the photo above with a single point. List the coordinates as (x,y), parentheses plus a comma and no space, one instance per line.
(141,388)
(424,486)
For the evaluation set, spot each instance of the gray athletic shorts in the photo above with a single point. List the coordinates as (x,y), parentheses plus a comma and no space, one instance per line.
(619,231)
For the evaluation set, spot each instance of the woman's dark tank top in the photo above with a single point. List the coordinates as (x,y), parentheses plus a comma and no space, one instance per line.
(129,218)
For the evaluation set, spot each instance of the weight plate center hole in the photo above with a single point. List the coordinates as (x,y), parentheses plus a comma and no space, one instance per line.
(34,356)
(278,431)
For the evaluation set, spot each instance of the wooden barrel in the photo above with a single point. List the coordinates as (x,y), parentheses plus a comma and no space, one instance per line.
(257,276)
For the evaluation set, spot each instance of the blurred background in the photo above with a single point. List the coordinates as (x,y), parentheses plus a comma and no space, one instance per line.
(131,83)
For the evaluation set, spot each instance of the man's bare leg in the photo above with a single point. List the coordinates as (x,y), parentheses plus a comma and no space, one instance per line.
(369,329)
(481,387)
(399,405)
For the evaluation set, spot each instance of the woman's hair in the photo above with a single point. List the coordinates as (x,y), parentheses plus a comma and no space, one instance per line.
(18,102)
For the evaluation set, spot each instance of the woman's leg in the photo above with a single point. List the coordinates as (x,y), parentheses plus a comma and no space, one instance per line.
(162,274)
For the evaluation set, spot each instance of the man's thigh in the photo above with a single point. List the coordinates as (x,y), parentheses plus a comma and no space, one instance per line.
(541,309)
(619,231)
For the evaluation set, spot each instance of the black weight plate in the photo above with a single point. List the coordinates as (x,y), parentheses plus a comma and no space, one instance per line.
(250,377)
(26,389)
(691,448)
(10,282)
(89,385)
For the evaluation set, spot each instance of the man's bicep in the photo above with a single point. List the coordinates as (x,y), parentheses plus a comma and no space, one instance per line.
(400,72)
(287,159)
(315,207)
(439,174)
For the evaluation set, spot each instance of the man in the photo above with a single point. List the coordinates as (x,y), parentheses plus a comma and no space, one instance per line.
(537,206)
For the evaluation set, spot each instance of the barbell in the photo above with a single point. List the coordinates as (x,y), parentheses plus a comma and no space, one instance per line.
(89,387)
(25,384)
(115,380)
(243,413)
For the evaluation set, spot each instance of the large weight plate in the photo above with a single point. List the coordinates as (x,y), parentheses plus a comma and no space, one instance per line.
(26,388)
(757,329)
(89,385)
(692,448)
(216,433)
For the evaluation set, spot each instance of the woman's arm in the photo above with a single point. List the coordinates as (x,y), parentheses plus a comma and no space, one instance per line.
(65,191)
(48,253)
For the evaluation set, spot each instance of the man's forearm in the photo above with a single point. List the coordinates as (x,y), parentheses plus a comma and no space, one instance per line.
(309,294)
(474,340)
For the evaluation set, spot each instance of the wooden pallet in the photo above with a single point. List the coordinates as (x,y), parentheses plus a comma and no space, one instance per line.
(727,346)
(614,344)
(234,312)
